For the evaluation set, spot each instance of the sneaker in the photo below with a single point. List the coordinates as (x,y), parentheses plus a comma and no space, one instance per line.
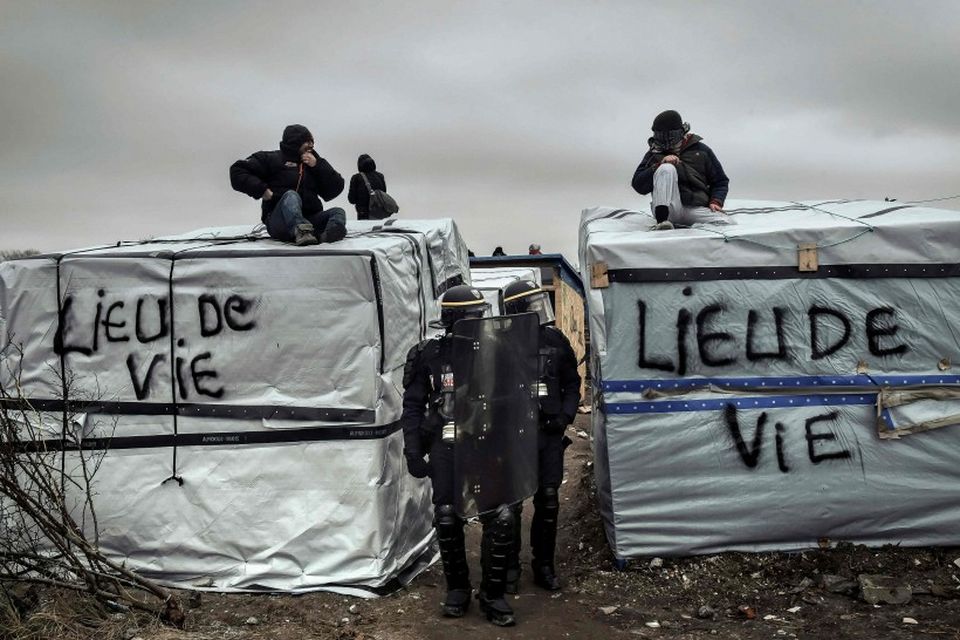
(545,578)
(661,212)
(666,225)
(334,232)
(303,235)
(497,610)
(456,603)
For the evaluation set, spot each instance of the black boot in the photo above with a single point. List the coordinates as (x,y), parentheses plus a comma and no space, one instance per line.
(543,538)
(497,610)
(453,554)
(456,603)
(544,577)
(494,549)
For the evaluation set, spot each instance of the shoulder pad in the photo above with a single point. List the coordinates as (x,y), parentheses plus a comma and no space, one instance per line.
(414,358)
(553,334)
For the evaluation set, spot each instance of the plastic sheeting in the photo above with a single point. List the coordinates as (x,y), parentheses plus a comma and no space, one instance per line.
(492,280)
(495,369)
(248,393)
(745,377)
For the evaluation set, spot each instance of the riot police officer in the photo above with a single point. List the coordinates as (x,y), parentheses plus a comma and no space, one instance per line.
(429,451)
(559,398)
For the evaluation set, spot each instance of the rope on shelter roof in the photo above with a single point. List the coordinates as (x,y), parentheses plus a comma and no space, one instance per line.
(727,238)
(796,206)
(838,215)
(256,233)
(932,199)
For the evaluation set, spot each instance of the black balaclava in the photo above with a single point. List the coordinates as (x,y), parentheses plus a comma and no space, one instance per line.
(365,163)
(294,135)
(669,130)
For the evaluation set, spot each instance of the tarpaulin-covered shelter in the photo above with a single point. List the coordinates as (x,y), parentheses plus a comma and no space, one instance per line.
(558,278)
(777,382)
(247,393)
(492,280)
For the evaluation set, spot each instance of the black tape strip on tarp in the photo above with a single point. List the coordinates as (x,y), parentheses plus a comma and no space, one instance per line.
(438,289)
(185,409)
(884,212)
(846,271)
(449,283)
(215,438)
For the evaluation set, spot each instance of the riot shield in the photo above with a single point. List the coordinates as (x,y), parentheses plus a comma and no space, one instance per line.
(495,369)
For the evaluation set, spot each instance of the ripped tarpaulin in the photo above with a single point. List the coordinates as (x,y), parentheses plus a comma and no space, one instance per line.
(901,412)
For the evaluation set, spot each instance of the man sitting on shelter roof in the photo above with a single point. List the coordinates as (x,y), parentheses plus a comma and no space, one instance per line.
(687,181)
(290,183)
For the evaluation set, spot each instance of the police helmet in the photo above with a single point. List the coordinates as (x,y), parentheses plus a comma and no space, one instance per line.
(459,302)
(526,296)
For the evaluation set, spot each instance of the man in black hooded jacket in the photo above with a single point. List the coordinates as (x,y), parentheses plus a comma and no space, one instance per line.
(687,182)
(290,184)
(359,193)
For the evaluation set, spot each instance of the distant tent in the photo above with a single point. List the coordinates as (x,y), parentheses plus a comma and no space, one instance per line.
(557,277)
(491,281)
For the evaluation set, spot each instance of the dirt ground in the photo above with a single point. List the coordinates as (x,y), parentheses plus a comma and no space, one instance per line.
(814,594)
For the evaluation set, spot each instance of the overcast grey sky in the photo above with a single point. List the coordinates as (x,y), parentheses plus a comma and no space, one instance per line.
(118,120)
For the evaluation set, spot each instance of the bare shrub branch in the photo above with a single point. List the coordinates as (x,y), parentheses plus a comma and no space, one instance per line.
(49,531)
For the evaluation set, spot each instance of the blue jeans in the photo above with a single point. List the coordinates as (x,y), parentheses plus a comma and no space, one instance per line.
(288,213)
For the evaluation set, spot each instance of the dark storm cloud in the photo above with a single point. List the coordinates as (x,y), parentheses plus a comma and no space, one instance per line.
(119,120)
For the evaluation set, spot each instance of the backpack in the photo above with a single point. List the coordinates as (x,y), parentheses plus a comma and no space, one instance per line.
(382,204)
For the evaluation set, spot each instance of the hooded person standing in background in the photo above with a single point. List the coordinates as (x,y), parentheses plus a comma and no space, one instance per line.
(290,184)
(359,193)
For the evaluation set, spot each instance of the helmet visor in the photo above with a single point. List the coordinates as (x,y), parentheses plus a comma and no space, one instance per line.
(538,303)
(449,315)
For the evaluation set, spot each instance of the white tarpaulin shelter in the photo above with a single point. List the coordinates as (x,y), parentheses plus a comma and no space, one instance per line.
(250,391)
(769,384)
(492,280)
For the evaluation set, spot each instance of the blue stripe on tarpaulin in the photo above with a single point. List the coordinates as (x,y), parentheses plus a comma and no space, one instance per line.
(888,419)
(764,402)
(780,382)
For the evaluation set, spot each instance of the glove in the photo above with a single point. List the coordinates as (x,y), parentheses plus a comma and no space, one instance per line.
(418,466)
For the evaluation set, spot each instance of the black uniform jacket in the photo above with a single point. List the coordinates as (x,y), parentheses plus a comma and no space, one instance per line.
(421,387)
(563,379)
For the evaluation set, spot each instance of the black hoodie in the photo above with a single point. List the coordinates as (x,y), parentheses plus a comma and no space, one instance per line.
(282,171)
(358,194)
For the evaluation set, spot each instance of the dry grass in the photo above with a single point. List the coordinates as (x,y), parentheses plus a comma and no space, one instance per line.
(62,615)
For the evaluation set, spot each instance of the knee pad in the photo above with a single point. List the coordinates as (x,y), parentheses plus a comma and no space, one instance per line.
(547,497)
(502,524)
(445,518)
